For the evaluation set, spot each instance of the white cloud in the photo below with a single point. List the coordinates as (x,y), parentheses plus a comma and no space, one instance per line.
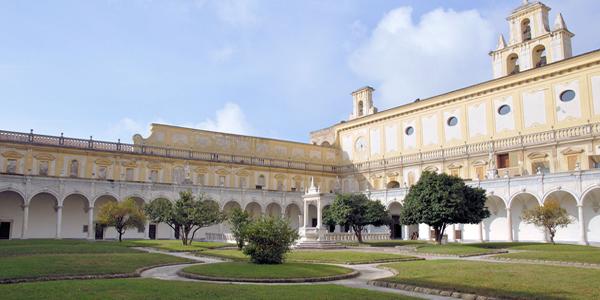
(237,12)
(445,50)
(222,55)
(230,119)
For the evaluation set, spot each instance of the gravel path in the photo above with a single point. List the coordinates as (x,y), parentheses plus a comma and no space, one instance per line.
(368,272)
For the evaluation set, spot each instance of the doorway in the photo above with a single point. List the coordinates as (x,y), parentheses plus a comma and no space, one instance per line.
(396,227)
(4,230)
(99,231)
(152,231)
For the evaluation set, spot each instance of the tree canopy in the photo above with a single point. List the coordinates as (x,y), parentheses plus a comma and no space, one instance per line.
(268,240)
(356,211)
(239,221)
(549,216)
(440,199)
(122,215)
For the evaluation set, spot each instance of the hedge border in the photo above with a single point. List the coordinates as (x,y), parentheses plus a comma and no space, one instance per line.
(547,262)
(455,255)
(188,275)
(429,291)
(136,273)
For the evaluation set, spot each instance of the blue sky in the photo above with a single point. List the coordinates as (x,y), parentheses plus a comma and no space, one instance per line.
(280,69)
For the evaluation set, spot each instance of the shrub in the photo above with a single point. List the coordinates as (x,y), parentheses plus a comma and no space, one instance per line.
(268,240)
(239,221)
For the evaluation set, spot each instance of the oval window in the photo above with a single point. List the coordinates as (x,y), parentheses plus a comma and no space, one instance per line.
(567,95)
(409,130)
(452,121)
(503,109)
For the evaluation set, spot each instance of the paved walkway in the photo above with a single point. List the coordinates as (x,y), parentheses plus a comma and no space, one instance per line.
(367,272)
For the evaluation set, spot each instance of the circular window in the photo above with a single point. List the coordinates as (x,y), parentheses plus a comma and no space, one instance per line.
(504,109)
(567,95)
(452,121)
(409,130)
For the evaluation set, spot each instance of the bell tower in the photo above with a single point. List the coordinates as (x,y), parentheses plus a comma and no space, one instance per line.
(532,43)
(362,100)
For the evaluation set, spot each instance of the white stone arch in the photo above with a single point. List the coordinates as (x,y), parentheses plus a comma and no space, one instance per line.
(569,201)
(12,189)
(254,209)
(43,211)
(560,189)
(45,191)
(521,230)
(273,209)
(293,211)
(139,196)
(102,194)
(12,202)
(75,214)
(495,226)
(590,202)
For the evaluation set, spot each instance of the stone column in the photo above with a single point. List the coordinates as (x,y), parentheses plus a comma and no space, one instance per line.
(147,230)
(25,221)
(509,225)
(481,232)
(91,228)
(406,235)
(305,213)
(58,221)
(582,233)
(319,212)
(300,220)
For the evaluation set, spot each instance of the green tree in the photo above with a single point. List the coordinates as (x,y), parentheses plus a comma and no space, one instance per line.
(268,240)
(239,221)
(122,216)
(440,199)
(549,216)
(356,211)
(187,214)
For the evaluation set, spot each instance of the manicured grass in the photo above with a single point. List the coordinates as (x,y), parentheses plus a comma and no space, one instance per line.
(143,289)
(323,256)
(28,266)
(453,249)
(176,245)
(256,271)
(546,251)
(33,247)
(383,243)
(505,280)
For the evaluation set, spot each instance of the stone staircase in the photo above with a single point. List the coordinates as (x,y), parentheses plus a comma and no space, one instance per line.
(318,245)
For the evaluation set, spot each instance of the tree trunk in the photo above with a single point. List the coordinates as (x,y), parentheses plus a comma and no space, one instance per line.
(552,233)
(358,234)
(438,235)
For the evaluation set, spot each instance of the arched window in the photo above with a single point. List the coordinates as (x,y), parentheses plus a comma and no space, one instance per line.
(74,168)
(260,184)
(178,175)
(539,56)
(393,185)
(512,64)
(526,30)
(360,108)
(411,178)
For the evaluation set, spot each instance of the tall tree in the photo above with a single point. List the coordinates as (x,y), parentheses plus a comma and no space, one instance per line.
(239,221)
(122,216)
(439,200)
(356,211)
(549,216)
(187,214)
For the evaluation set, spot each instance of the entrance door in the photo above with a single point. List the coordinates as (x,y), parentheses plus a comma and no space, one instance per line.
(152,231)
(396,227)
(4,230)
(314,222)
(99,231)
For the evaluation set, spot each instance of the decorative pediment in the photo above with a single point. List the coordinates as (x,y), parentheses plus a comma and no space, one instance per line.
(154,165)
(431,169)
(393,174)
(570,151)
(478,163)
(454,166)
(103,162)
(279,176)
(44,156)
(222,172)
(12,154)
(201,170)
(129,163)
(537,155)
(243,173)
(297,178)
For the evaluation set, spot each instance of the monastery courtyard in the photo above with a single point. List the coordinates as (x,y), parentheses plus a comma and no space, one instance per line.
(489,191)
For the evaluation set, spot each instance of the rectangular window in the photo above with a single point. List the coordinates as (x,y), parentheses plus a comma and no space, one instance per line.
(201,179)
(11,166)
(280,185)
(243,182)
(43,168)
(221,180)
(480,172)
(503,161)
(129,174)
(542,167)
(454,172)
(101,173)
(154,175)
(572,161)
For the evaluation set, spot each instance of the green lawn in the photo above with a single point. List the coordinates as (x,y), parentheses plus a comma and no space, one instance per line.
(33,247)
(453,249)
(505,280)
(383,243)
(176,245)
(323,256)
(256,271)
(557,252)
(28,266)
(150,289)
